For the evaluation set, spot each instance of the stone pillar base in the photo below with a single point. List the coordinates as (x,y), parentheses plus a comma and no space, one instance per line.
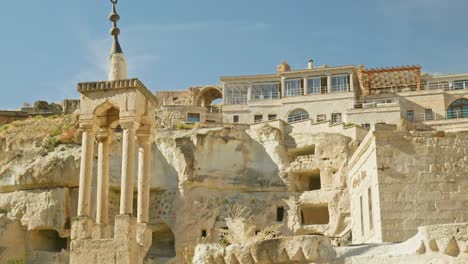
(144,237)
(82,228)
(102,231)
(125,227)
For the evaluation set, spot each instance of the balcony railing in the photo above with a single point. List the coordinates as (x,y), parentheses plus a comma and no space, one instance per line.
(236,100)
(340,88)
(376,103)
(431,116)
(266,96)
(297,118)
(317,90)
(447,86)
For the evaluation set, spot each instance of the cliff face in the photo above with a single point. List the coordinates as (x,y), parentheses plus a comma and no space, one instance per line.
(199,178)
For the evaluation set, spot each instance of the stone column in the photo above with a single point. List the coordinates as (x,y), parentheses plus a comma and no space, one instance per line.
(351,82)
(102,209)
(144,159)
(283,88)
(128,168)
(86,171)
(306,86)
(329,87)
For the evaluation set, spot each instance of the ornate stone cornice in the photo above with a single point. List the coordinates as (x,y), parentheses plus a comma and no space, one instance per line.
(90,87)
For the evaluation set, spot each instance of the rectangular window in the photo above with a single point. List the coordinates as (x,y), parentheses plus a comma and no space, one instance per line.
(336,118)
(258,118)
(272,117)
(193,118)
(203,233)
(365,125)
(459,85)
(410,115)
(235,94)
(235,119)
(317,85)
(428,114)
(371,217)
(265,91)
(362,215)
(340,83)
(279,214)
(293,87)
(321,118)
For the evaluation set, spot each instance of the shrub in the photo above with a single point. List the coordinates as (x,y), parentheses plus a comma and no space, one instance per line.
(17,261)
(50,142)
(4,128)
(183,126)
(57,131)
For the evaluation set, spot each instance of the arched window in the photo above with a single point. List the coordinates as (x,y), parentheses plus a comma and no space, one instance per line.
(298,115)
(458,109)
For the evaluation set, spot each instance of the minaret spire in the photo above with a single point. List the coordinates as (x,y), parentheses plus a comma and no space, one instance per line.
(117,64)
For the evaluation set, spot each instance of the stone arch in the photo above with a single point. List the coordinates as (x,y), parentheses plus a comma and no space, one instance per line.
(458,109)
(163,245)
(107,115)
(297,114)
(207,95)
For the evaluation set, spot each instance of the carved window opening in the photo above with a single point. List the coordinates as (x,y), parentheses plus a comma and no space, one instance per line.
(315,215)
(47,240)
(308,181)
(163,245)
(279,214)
(371,216)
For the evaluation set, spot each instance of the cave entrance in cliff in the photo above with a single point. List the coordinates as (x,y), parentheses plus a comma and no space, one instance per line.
(308,181)
(315,214)
(47,240)
(163,247)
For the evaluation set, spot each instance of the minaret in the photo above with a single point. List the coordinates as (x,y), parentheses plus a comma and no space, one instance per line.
(117,63)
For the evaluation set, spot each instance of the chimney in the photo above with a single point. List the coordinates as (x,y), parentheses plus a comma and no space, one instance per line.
(310,64)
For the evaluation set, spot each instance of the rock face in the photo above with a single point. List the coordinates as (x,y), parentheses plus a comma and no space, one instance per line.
(199,178)
(203,179)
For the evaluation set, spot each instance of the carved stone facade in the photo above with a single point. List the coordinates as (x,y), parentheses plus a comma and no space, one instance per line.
(105,106)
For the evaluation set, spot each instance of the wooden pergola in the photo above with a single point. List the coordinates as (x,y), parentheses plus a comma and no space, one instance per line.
(370,73)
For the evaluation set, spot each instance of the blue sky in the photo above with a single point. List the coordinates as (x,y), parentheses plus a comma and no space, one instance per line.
(48,46)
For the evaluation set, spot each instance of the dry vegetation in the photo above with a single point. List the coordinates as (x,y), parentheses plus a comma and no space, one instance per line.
(46,131)
(241,231)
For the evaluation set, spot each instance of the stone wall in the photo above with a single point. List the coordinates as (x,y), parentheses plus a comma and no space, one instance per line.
(414,178)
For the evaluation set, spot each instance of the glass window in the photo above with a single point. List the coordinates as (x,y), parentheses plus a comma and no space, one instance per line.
(272,117)
(428,114)
(336,118)
(458,109)
(321,118)
(258,118)
(236,119)
(365,125)
(317,85)
(298,115)
(459,85)
(265,91)
(340,83)
(235,94)
(193,118)
(410,115)
(293,87)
